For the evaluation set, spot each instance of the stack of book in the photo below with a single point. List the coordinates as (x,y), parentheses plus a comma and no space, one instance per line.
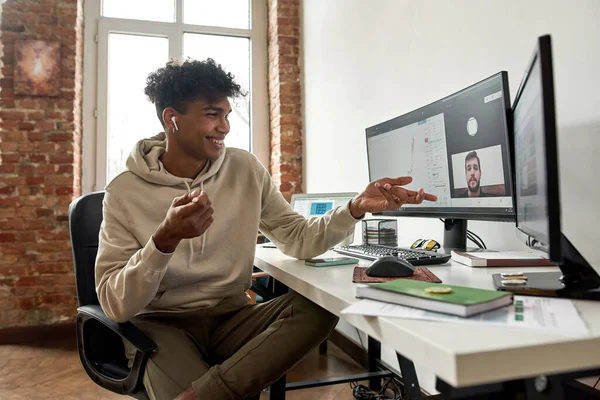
(448,299)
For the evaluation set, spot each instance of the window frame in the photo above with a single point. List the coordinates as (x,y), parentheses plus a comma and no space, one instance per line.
(95,83)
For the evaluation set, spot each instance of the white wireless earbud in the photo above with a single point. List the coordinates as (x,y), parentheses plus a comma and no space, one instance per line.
(174,122)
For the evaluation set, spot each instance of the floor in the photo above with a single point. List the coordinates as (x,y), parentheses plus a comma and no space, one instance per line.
(52,371)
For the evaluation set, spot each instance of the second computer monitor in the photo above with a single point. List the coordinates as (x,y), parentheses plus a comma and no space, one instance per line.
(317,204)
(455,148)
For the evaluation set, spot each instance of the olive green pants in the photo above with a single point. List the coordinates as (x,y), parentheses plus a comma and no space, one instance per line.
(232,350)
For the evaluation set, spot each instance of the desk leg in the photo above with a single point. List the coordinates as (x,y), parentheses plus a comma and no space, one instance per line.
(409,377)
(373,354)
(323,347)
(279,288)
(277,389)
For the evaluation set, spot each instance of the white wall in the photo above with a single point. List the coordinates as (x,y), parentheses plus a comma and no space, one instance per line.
(368,61)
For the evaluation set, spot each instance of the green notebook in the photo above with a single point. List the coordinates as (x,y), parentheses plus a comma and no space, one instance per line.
(462,301)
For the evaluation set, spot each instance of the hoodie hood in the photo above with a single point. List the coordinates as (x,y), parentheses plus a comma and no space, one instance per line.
(144,161)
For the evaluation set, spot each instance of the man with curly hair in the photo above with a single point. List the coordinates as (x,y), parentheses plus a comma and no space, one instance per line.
(176,246)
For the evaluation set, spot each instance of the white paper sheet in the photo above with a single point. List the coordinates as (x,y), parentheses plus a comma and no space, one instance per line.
(558,316)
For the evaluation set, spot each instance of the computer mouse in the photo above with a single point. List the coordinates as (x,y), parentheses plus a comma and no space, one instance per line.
(390,267)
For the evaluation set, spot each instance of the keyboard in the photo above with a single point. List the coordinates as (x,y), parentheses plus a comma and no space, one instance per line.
(413,256)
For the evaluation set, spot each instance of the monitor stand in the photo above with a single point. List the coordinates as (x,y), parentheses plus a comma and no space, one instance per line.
(455,236)
(577,279)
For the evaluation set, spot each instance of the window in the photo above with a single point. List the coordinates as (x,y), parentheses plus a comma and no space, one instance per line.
(125,40)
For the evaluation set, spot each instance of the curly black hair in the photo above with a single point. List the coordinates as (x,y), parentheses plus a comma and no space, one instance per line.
(178,84)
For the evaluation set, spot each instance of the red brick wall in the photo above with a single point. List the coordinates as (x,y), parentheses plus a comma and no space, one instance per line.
(285,95)
(40,168)
(40,153)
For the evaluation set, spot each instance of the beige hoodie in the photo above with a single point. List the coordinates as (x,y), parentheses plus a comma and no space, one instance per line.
(133,277)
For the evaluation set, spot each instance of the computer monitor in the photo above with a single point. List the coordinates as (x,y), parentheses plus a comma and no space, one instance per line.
(537,193)
(317,204)
(455,148)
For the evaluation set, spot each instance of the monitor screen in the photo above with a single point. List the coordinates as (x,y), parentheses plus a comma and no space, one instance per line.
(455,148)
(535,153)
(315,205)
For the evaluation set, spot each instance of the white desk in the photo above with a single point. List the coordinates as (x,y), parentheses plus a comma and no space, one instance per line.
(460,354)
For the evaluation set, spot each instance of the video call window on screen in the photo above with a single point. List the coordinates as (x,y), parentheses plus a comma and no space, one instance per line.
(455,148)
(479,173)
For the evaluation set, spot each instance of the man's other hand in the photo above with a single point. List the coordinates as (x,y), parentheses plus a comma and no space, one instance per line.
(387,194)
(188,217)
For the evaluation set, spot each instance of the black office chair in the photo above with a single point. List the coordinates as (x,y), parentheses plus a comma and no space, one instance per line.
(99,339)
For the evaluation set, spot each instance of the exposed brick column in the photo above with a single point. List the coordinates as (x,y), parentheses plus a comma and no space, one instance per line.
(40,168)
(285,95)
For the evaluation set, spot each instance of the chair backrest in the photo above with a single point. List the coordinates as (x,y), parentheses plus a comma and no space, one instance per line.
(85,218)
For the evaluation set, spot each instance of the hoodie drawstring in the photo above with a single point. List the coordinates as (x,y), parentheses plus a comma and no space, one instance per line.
(206,231)
(203,235)
(190,240)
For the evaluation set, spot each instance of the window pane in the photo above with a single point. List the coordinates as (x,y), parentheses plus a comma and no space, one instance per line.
(223,13)
(234,55)
(131,116)
(147,10)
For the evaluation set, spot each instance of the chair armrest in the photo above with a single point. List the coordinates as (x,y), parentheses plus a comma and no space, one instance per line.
(259,275)
(262,291)
(126,330)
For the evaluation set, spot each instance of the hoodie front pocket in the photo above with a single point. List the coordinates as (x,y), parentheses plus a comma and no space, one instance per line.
(197,295)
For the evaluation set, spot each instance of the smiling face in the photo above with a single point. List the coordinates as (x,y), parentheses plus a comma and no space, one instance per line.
(202,128)
(473,174)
